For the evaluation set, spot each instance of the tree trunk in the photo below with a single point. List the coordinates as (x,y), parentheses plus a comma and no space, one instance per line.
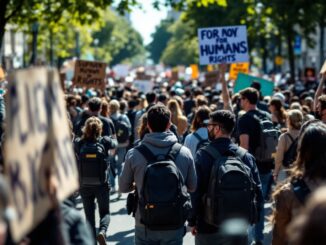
(321,41)
(2,25)
(290,37)
(265,54)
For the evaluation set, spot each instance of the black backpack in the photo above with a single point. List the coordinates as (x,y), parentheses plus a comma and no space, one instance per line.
(122,129)
(267,142)
(92,163)
(201,142)
(291,154)
(164,202)
(231,191)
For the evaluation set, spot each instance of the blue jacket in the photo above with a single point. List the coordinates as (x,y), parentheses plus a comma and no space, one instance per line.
(204,163)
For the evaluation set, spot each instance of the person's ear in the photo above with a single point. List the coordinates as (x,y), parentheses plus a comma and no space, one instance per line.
(169,125)
(149,128)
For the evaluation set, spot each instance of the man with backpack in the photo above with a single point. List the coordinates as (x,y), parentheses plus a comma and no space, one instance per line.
(228,183)
(123,131)
(258,135)
(162,171)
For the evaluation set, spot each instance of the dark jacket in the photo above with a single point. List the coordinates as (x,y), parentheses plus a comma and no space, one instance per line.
(204,163)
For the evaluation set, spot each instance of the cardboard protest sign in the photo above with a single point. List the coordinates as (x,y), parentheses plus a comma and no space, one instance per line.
(211,78)
(219,45)
(323,69)
(144,86)
(90,74)
(244,81)
(194,71)
(2,74)
(38,145)
(235,69)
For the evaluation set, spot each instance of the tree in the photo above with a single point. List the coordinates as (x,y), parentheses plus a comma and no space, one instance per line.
(291,17)
(160,37)
(118,41)
(182,49)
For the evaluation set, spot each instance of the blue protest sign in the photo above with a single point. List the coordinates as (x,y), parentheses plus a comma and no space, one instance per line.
(223,45)
(244,81)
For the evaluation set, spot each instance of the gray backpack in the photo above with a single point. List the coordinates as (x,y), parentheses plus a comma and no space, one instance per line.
(268,140)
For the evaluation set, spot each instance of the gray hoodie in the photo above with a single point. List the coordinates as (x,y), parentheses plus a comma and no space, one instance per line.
(159,143)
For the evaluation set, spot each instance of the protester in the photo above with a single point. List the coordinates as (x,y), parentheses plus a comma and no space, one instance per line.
(278,112)
(151,100)
(220,127)
(123,131)
(308,174)
(158,143)
(92,154)
(199,135)
(287,144)
(309,226)
(177,118)
(94,108)
(252,126)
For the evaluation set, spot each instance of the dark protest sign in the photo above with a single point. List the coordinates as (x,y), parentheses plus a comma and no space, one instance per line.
(37,145)
(90,74)
(219,45)
(211,78)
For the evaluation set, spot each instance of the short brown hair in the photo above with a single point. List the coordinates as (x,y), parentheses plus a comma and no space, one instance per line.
(251,94)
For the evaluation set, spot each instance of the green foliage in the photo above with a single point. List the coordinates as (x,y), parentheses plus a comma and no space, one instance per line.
(161,37)
(182,48)
(118,42)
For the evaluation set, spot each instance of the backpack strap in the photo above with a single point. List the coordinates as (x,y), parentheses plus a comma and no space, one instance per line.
(146,152)
(291,138)
(174,151)
(197,136)
(212,151)
(300,189)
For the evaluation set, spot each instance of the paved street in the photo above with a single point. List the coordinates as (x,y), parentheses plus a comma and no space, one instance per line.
(121,229)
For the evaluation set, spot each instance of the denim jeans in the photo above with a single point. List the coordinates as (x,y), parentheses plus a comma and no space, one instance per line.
(148,237)
(218,239)
(117,165)
(258,229)
(102,195)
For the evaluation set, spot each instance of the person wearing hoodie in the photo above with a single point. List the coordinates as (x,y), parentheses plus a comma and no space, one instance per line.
(159,141)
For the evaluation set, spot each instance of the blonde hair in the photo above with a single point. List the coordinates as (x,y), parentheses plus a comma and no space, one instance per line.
(114,106)
(176,112)
(295,118)
(92,129)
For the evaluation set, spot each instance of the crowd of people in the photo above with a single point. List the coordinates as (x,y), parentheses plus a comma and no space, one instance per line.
(199,157)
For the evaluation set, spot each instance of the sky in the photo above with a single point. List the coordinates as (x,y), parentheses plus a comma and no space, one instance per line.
(144,20)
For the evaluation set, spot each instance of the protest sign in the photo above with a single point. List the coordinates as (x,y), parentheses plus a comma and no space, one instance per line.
(194,71)
(235,69)
(2,74)
(90,74)
(38,146)
(223,45)
(211,78)
(244,81)
(144,86)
